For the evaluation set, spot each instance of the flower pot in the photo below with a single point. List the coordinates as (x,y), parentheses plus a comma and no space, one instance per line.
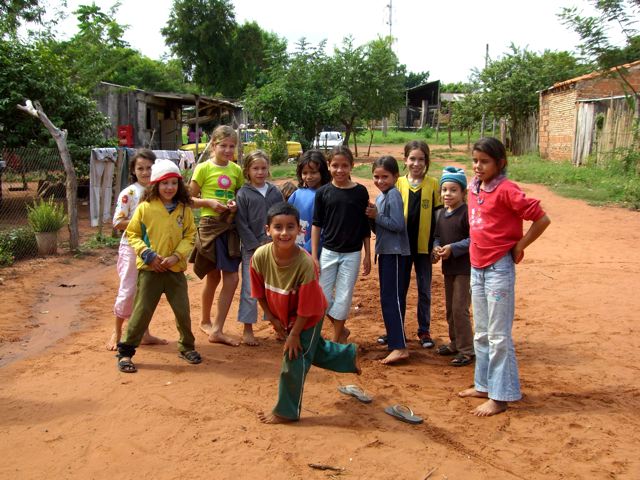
(47,243)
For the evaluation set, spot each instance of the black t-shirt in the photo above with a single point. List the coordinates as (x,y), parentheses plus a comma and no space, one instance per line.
(340,214)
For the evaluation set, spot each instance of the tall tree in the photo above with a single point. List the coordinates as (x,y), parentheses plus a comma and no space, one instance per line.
(413,79)
(510,85)
(35,72)
(368,82)
(200,33)
(296,93)
(14,12)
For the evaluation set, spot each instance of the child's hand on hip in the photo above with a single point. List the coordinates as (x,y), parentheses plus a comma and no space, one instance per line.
(292,346)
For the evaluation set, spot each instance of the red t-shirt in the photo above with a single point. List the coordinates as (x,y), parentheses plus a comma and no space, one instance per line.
(290,291)
(495,219)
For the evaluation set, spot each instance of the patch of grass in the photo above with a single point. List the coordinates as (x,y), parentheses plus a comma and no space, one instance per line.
(597,185)
(428,135)
(99,241)
(285,170)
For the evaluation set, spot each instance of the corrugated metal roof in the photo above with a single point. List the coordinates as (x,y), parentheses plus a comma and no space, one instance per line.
(589,76)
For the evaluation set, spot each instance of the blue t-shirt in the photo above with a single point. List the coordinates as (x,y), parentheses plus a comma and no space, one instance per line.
(303,199)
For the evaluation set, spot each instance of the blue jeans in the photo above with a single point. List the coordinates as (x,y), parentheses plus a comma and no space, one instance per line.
(422,265)
(493,299)
(338,275)
(248,308)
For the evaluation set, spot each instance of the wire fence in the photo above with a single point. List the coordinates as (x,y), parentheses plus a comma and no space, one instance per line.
(26,174)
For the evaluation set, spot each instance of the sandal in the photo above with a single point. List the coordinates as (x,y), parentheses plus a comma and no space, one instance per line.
(426,341)
(446,350)
(461,360)
(382,340)
(191,356)
(126,366)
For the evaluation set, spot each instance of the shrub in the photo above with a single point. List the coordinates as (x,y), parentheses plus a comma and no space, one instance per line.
(17,243)
(46,216)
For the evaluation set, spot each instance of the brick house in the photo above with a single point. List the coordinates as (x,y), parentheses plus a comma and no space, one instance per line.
(579,114)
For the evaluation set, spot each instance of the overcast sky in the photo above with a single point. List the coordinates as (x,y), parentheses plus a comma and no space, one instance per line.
(446,38)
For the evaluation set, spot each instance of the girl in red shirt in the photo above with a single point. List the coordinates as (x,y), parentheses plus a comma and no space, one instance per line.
(497,208)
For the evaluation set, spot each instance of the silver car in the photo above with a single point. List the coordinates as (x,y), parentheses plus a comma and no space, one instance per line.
(328,140)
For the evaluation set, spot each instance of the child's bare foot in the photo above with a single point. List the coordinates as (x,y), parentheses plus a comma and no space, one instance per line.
(112,344)
(344,335)
(206,328)
(489,408)
(472,392)
(395,356)
(272,418)
(224,339)
(248,338)
(148,339)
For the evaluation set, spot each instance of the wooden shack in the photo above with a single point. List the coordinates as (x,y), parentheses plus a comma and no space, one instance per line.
(422,103)
(156,118)
(587,115)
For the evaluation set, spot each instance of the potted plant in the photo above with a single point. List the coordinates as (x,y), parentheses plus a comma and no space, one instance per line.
(46,218)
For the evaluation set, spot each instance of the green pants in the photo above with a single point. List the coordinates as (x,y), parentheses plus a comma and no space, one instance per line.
(316,351)
(150,287)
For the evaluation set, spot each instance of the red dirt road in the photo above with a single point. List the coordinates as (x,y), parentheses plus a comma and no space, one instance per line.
(68,413)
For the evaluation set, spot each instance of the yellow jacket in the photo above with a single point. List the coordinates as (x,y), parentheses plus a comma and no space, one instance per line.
(153,227)
(429,199)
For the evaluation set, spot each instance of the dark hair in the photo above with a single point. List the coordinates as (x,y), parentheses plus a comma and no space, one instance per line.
(341,150)
(317,157)
(287,189)
(389,163)
(141,153)
(418,145)
(494,148)
(182,195)
(249,158)
(282,208)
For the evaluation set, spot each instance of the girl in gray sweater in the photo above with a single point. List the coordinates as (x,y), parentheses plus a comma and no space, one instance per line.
(392,250)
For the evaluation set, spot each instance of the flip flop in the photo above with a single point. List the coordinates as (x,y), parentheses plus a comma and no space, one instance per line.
(403,413)
(355,391)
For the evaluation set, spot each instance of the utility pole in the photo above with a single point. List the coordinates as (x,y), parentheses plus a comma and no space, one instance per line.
(484,115)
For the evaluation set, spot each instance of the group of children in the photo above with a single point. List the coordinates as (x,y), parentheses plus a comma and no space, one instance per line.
(301,257)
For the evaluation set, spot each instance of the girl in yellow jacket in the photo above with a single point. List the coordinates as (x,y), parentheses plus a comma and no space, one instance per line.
(421,197)
(162,233)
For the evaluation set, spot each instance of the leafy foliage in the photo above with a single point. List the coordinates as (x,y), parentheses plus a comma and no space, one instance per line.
(413,79)
(46,215)
(17,243)
(14,12)
(596,44)
(206,38)
(33,71)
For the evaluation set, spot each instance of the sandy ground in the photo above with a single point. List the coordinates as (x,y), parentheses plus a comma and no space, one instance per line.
(66,412)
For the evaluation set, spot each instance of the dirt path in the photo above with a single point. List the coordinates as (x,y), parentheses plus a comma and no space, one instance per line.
(67,413)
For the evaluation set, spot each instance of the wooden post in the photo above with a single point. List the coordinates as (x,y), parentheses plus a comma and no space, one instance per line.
(60,136)
(197,124)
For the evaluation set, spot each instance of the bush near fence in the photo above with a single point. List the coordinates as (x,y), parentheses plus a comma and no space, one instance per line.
(25,175)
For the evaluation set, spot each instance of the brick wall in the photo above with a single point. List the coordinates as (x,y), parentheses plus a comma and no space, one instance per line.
(557,123)
(608,86)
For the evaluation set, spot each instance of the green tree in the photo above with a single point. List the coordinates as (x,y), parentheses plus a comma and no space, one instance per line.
(367,82)
(98,53)
(14,12)
(33,71)
(596,44)
(510,85)
(200,34)
(413,79)
(297,93)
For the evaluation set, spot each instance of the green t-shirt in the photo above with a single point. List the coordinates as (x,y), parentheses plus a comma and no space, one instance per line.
(218,183)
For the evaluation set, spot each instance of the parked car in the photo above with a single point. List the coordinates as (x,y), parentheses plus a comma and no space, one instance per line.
(328,140)
(250,139)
